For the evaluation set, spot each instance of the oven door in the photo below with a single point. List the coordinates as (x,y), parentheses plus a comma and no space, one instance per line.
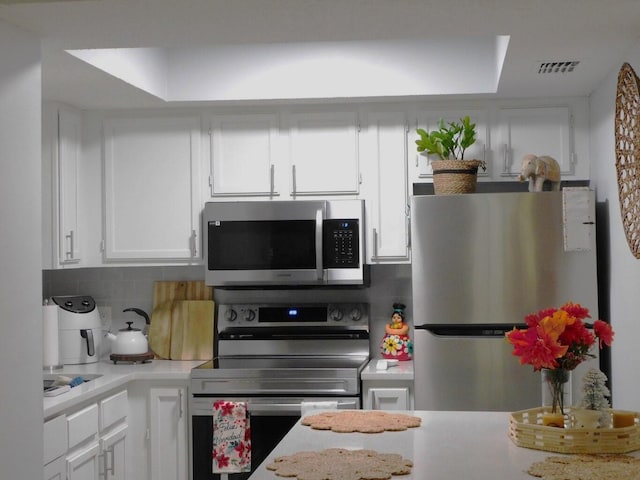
(271,419)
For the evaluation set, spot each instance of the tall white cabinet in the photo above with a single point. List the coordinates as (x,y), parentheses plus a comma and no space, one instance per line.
(168,433)
(384,148)
(151,184)
(69,154)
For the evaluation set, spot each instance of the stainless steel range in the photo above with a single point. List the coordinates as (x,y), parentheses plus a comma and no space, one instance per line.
(277,358)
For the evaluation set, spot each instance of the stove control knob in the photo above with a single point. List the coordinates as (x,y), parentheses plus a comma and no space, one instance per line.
(335,314)
(249,315)
(230,315)
(355,314)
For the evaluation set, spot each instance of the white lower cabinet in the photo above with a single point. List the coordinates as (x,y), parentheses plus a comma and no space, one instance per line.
(385,398)
(55,448)
(388,389)
(89,443)
(56,470)
(114,411)
(168,433)
(84,447)
(158,430)
(113,448)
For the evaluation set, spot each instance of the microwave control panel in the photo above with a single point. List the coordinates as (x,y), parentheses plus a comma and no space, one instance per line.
(341,243)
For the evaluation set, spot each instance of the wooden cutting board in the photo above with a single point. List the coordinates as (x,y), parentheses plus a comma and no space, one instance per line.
(178,330)
(192,330)
(180,290)
(160,330)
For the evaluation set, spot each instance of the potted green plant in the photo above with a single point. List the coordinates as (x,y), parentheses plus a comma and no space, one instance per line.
(451,173)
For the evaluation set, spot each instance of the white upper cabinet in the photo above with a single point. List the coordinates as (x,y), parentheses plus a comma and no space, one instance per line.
(151,180)
(69,144)
(429,120)
(324,153)
(384,153)
(244,151)
(539,131)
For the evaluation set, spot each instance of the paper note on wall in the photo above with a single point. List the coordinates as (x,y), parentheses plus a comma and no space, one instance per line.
(577,218)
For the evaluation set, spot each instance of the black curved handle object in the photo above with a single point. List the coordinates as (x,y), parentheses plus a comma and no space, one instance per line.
(140,312)
(87,334)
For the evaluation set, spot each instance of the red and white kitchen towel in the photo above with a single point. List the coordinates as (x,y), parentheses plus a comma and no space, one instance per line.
(231,437)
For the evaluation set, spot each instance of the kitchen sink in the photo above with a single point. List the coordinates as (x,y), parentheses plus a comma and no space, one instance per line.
(48,379)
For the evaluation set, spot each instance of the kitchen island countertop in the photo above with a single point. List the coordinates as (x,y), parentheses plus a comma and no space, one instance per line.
(448,445)
(112,376)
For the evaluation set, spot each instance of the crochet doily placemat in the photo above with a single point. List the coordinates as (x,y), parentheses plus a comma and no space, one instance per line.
(348,421)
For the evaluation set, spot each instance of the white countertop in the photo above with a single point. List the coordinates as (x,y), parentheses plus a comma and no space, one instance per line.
(113,376)
(448,445)
(400,371)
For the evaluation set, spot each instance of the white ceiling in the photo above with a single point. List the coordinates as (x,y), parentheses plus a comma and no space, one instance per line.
(597,33)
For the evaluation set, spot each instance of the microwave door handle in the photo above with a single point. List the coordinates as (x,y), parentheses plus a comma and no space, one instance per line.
(319,217)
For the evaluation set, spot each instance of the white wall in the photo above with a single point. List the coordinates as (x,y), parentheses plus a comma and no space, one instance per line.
(20,256)
(624,268)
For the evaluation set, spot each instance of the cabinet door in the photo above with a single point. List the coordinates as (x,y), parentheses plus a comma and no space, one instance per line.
(151,178)
(83,463)
(324,154)
(113,447)
(56,469)
(243,154)
(389,399)
(168,430)
(69,143)
(539,131)
(478,151)
(385,146)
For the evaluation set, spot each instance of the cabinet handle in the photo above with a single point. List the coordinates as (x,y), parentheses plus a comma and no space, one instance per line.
(179,403)
(505,167)
(375,244)
(194,244)
(108,469)
(69,253)
(293,180)
(272,181)
(408,225)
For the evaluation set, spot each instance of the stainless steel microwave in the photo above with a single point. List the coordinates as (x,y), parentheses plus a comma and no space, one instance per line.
(284,243)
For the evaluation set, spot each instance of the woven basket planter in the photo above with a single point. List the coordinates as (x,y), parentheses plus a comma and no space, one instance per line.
(451,177)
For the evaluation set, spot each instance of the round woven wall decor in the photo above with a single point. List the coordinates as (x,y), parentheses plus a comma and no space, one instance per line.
(627,135)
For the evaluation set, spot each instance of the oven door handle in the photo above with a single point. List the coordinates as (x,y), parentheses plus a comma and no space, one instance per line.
(291,408)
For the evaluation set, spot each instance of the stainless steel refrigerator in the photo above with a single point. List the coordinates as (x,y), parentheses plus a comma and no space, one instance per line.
(480,263)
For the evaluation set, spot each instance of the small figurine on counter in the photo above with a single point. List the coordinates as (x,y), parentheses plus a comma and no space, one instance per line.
(396,344)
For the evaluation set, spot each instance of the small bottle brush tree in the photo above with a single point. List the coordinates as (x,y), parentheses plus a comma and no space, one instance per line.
(595,391)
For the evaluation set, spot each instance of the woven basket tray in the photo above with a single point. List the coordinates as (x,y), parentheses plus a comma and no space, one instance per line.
(526,430)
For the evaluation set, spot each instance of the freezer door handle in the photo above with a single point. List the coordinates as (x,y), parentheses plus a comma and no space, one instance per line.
(490,330)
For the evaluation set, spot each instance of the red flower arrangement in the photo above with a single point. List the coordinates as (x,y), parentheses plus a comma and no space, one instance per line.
(558,338)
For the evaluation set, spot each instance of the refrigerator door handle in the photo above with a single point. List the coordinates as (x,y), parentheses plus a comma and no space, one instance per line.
(490,330)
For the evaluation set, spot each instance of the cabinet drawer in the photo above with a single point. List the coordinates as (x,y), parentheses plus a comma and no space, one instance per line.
(82,425)
(113,409)
(55,438)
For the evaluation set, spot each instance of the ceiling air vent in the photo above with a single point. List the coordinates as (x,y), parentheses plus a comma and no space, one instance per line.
(557,67)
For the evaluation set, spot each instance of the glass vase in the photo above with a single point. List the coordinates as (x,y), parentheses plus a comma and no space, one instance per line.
(556,390)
